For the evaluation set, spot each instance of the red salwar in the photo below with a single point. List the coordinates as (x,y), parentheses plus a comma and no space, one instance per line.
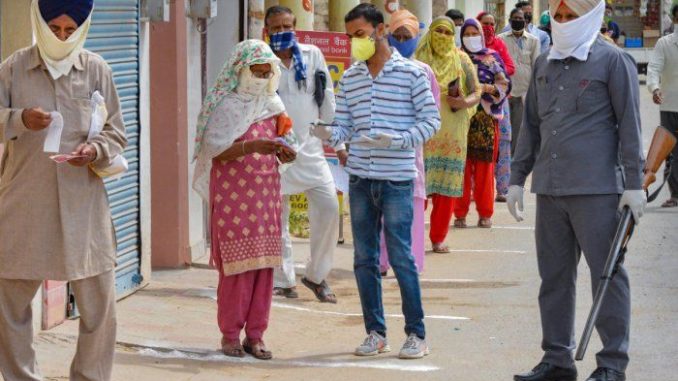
(479,179)
(443,208)
(245,302)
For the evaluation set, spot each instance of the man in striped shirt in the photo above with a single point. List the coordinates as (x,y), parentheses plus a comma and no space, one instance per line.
(385,109)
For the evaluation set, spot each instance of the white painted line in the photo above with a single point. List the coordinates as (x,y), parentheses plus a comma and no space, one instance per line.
(214,356)
(513,227)
(345,314)
(487,251)
(493,227)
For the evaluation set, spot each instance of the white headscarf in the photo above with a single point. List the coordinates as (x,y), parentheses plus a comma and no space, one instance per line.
(59,56)
(575,38)
(229,109)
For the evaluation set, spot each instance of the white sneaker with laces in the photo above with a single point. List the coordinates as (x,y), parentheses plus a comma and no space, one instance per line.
(414,348)
(373,345)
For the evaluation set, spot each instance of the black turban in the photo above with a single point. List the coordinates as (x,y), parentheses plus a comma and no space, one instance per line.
(78,10)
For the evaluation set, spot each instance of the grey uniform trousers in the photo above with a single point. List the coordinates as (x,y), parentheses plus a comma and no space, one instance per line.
(93,359)
(516,106)
(565,227)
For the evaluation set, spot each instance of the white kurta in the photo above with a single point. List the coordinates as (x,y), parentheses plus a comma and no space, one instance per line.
(310,169)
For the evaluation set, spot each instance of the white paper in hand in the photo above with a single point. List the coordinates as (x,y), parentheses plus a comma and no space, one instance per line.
(53,139)
(99,115)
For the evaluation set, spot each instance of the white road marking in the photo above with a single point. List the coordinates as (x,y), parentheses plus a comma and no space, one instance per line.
(345,314)
(445,280)
(487,251)
(513,227)
(497,227)
(214,356)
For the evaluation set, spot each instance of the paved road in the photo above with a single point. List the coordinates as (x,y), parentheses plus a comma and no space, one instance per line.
(483,320)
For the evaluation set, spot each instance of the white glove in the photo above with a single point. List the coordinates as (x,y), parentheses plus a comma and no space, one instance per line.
(636,201)
(320,130)
(380,140)
(515,196)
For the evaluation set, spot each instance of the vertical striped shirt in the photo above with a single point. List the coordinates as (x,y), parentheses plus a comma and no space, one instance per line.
(398,102)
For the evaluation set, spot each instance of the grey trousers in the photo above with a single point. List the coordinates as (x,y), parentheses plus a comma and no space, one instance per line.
(93,359)
(670,121)
(516,106)
(565,227)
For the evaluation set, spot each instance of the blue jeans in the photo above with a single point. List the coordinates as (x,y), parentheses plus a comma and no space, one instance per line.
(371,201)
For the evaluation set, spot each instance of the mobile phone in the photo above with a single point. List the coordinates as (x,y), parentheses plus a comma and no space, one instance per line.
(453,90)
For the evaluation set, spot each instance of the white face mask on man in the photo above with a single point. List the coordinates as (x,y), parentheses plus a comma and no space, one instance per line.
(474,44)
(251,85)
(59,56)
(574,38)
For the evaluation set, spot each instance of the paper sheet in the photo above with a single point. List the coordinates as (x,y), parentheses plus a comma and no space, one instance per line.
(339,174)
(53,139)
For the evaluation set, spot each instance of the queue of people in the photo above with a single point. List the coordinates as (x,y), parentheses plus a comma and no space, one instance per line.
(436,117)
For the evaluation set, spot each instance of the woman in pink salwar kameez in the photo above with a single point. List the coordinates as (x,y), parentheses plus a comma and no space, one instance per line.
(238,148)
(404,36)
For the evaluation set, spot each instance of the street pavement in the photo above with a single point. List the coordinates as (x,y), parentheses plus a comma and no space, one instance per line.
(480,301)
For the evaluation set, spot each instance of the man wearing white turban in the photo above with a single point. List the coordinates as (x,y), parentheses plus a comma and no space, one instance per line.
(581,141)
(55,220)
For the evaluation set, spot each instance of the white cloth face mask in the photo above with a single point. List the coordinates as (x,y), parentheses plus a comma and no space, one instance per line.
(59,56)
(575,38)
(251,85)
(474,43)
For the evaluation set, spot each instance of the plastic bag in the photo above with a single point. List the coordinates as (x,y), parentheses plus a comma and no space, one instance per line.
(118,165)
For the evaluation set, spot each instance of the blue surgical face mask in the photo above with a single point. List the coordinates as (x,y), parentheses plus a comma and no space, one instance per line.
(405,48)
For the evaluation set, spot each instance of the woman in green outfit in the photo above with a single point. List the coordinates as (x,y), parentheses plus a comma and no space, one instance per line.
(445,153)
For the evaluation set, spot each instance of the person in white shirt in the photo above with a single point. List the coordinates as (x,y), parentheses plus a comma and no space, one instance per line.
(542,36)
(524,48)
(662,81)
(301,67)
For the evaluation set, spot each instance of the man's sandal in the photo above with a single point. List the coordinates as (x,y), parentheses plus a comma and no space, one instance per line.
(321,291)
(670,203)
(289,293)
(460,223)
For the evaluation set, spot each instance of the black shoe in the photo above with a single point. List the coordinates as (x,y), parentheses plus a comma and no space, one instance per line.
(548,372)
(606,374)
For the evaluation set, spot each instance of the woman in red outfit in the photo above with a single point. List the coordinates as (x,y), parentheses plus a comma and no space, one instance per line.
(502,170)
(494,43)
(483,136)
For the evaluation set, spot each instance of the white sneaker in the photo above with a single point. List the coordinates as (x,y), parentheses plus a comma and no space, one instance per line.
(373,345)
(414,348)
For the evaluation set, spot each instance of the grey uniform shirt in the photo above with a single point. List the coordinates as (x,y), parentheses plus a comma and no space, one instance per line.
(581,129)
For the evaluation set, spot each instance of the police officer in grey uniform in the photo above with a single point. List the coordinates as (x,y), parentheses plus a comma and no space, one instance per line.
(581,140)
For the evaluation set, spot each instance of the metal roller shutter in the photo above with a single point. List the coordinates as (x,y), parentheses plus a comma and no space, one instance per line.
(114,34)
